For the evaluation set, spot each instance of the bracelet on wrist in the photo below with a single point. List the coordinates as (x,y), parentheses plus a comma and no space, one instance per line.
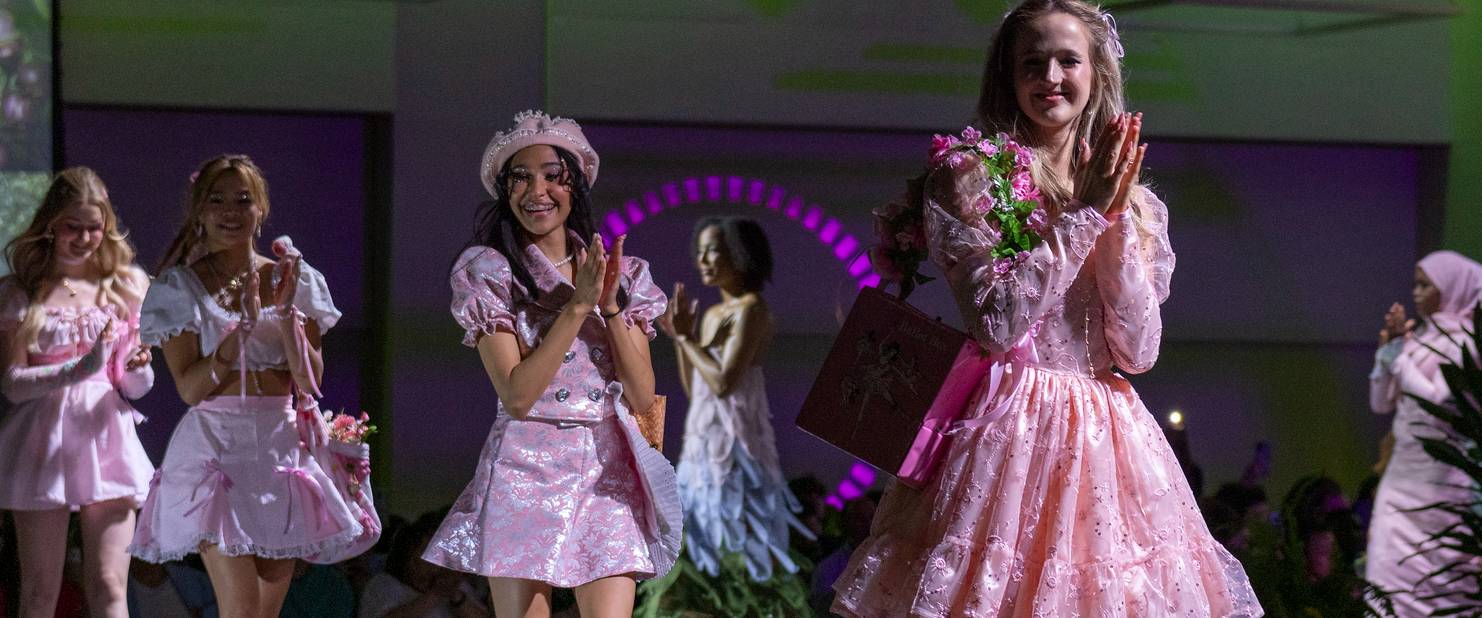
(608,316)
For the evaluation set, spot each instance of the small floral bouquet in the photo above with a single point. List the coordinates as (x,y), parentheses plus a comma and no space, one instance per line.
(1012,214)
(900,234)
(1012,208)
(347,436)
(349,429)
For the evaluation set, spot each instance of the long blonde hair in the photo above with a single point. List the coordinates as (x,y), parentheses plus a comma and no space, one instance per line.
(188,241)
(31,254)
(998,107)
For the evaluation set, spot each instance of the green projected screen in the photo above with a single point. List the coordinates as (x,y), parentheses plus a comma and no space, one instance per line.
(26,94)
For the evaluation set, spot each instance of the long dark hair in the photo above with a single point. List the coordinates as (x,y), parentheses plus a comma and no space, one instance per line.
(495,224)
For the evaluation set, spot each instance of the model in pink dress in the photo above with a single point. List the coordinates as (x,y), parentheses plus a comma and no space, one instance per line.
(239,483)
(1070,503)
(72,362)
(567,492)
(1448,287)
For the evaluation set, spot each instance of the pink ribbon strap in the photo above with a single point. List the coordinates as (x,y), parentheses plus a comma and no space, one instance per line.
(302,338)
(214,476)
(301,481)
(1005,374)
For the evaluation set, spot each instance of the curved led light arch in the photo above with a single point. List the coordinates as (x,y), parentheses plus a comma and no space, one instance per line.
(717,189)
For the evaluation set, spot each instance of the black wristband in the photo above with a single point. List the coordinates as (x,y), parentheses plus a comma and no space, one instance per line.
(609,316)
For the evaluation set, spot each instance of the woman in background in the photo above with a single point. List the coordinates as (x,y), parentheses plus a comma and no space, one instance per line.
(1448,287)
(730,482)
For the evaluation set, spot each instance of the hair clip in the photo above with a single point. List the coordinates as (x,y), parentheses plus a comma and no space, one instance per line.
(1113,39)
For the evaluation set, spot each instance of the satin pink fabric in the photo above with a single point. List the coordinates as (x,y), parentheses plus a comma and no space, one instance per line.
(560,496)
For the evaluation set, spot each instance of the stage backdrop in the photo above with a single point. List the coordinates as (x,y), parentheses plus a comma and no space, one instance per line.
(26,92)
(1199,71)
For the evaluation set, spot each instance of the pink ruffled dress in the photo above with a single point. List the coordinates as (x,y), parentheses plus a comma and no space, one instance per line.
(572,493)
(235,474)
(75,445)
(1071,503)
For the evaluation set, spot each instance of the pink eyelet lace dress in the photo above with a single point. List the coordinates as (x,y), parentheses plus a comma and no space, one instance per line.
(235,474)
(75,445)
(572,493)
(1071,503)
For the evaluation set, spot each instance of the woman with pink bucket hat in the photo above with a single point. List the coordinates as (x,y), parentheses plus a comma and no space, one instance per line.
(567,493)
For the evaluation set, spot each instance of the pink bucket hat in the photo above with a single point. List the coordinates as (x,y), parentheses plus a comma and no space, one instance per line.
(535,127)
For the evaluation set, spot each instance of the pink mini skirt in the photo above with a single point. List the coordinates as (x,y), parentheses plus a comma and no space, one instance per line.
(236,477)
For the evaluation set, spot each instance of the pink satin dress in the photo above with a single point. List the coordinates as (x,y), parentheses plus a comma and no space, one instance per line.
(571,493)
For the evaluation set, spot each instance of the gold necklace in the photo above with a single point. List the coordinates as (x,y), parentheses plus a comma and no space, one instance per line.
(71,293)
(229,290)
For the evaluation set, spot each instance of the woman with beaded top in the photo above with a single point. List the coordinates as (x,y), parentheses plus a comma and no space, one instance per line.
(241,335)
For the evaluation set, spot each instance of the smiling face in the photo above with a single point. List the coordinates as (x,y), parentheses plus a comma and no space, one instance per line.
(1053,74)
(78,232)
(713,260)
(231,213)
(539,190)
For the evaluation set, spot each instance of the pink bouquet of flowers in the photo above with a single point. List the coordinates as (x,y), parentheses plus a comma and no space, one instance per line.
(347,436)
(1011,212)
(900,234)
(349,429)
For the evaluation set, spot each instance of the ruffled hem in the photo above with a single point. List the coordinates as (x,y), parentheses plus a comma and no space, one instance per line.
(157,555)
(665,514)
(1070,504)
(158,338)
(1062,587)
(486,327)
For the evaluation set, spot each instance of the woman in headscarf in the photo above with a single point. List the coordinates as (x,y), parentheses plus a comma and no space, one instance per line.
(1448,287)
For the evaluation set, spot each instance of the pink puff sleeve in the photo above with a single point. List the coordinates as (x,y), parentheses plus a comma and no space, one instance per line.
(1134,263)
(999,308)
(482,303)
(646,302)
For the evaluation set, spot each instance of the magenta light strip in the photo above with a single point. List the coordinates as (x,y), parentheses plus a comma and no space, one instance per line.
(712,189)
(732,189)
